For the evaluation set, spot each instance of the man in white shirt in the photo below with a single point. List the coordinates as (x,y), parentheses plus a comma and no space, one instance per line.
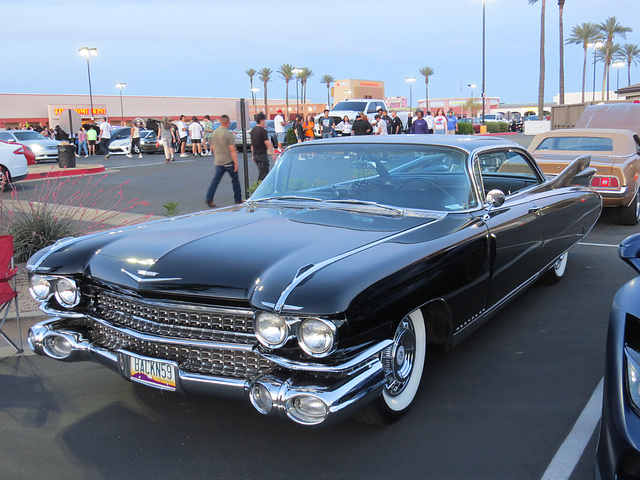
(183,133)
(382,125)
(279,125)
(429,120)
(195,130)
(105,137)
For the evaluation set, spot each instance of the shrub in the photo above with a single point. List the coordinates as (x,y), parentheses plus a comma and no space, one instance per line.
(497,127)
(465,128)
(62,207)
(291,137)
(171,209)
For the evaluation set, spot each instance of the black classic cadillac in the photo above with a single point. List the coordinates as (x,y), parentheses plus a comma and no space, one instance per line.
(318,297)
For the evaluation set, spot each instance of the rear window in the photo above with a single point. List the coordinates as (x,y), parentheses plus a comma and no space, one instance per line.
(577,144)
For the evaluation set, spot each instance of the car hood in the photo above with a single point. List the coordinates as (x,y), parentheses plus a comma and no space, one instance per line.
(239,253)
(553,163)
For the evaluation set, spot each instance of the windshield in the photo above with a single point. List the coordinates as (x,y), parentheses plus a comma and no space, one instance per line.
(405,176)
(348,105)
(28,135)
(577,144)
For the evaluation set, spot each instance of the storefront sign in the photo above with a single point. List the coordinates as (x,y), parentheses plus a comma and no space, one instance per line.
(369,84)
(81,111)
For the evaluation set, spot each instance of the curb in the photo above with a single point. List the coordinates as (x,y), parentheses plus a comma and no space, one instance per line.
(37,172)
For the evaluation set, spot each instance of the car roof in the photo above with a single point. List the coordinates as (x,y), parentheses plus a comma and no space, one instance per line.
(464,142)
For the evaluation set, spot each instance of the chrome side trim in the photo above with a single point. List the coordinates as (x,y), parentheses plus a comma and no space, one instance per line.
(302,277)
(321,368)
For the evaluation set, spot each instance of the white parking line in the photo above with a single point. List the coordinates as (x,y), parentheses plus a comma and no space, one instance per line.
(569,454)
(597,244)
(122,167)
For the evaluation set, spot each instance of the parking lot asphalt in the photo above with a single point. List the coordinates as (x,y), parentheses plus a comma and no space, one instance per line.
(499,406)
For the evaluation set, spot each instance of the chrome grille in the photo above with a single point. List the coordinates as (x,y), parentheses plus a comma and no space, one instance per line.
(210,361)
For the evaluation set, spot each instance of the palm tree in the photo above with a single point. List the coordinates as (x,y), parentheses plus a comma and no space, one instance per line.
(629,54)
(561,25)
(286,72)
(328,79)
(584,34)
(251,72)
(542,63)
(264,74)
(609,29)
(608,58)
(427,72)
(304,76)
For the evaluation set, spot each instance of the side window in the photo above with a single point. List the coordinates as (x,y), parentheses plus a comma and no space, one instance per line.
(372,108)
(505,170)
(5,136)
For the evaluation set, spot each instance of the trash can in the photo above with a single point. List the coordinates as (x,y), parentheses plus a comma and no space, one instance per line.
(66,155)
(483,129)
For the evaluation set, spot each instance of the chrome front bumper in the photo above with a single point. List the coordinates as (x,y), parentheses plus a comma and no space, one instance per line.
(287,390)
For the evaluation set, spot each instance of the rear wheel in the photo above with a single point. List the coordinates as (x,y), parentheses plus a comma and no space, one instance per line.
(630,215)
(403,363)
(5,181)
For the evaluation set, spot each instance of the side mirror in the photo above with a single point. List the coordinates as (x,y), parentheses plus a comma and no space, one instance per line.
(629,251)
(495,198)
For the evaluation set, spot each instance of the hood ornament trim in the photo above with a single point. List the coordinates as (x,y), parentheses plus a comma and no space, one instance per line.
(147,280)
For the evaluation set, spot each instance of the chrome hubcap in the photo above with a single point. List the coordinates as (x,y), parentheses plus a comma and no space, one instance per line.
(398,359)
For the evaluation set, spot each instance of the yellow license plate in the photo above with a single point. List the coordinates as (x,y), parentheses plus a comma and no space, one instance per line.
(156,373)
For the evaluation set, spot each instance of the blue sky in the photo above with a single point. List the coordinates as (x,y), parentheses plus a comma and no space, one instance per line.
(202,48)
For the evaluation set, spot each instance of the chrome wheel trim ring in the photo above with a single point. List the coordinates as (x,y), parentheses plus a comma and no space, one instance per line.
(561,265)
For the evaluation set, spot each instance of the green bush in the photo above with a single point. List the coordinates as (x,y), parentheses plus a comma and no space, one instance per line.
(497,127)
(465,128)
(291,137)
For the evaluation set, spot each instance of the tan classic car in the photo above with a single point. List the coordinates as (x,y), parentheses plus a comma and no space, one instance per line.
(614,153)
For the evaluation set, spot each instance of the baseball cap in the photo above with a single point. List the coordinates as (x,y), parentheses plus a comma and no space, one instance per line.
(279,111)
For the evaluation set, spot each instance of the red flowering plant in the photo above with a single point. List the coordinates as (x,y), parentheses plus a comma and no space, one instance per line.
(62,207)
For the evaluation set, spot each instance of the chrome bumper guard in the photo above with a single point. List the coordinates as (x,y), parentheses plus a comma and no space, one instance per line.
(296,393)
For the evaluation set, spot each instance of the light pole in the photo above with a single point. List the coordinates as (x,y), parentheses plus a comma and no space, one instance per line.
(254,90)
(87,52)
(121,85)
(618,66)
(483,57)
(410,80)
(472,86)
(297,71)
(595,47)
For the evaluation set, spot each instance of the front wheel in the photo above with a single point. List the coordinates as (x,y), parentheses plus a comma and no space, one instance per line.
(630,215)
(556,273)
(403,362)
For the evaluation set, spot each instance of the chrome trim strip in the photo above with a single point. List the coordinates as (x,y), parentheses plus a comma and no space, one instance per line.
(147,280)
(318,367)
(300,278)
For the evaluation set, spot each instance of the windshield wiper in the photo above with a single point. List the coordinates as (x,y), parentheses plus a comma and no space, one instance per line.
(288,197)
(396,210)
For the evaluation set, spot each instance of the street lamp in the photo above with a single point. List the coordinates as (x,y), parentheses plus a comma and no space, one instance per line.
(87,52)
(297,71)
(618,66)
(121,85)
(411,80)
(472,86)
(595,47)
(254,90)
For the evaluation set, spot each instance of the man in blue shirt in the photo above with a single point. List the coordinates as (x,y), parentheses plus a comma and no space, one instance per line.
(452,123)
(419,125)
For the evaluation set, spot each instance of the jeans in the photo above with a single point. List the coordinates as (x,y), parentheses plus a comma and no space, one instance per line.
(220,170)
(83,145)
(262,162)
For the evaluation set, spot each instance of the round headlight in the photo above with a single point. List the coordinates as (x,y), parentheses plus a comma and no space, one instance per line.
(39,287)
(67,292)
(317,336)
(271,329)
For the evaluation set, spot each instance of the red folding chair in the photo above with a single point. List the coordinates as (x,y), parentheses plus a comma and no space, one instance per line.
(8,293)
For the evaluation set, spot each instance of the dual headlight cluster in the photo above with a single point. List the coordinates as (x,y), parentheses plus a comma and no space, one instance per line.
(316,336)
(65,289)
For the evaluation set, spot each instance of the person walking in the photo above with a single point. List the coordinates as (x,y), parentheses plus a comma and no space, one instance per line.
(452,123)
(105,137)
(195,131)
(82,142)
(429,119)
(183,134)
(261,146)
(419,125)
(280,128)
(308,127)
(207,131)
(92,136)
(440,122)
(168,137)
(225,160)
(135,140)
